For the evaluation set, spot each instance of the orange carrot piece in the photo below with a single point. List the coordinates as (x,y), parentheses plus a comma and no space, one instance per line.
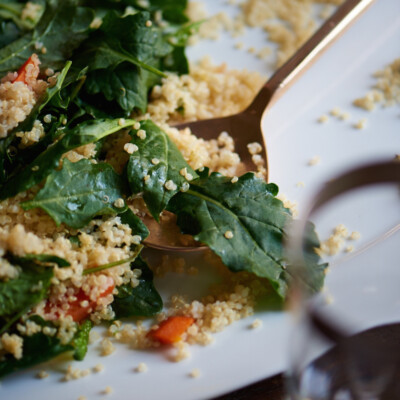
(76,310)
(32,60)
(171,330)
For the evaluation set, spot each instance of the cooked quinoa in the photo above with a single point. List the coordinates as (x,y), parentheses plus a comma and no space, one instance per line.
(385,91)
(337,241)
(18,98)
(208,91)
(288,23)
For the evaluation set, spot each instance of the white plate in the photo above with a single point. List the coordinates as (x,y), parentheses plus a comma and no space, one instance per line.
(241,356)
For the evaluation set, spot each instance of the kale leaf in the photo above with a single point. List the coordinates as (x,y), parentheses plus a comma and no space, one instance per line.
(142,300)
(10,162)
(172,11)
(61,29)
(84,133)
(79,192)
(12,11)
(9,32)
(124,56)
(159,159)
(20,294)
(42,259)
(135,223)
(39,347)
(243,223)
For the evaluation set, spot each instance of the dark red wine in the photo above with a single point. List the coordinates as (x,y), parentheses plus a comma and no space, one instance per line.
(364,366)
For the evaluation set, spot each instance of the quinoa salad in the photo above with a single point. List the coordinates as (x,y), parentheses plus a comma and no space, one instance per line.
(89,95)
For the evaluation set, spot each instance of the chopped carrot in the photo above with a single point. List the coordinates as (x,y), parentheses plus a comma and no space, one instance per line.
(171,330)
(22,72)
(79,310)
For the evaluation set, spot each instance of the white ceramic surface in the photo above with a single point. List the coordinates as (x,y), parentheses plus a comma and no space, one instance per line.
(241,356)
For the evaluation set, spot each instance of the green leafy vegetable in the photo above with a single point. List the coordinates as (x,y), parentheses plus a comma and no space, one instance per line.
(43,259)
(26,290)
(135,223)
(159,159)
(137,250)
(8,32)
(11,163)
(81,340)
(84,133)
(126,39)
(243,223)
(61,29)
(79,192)
(12,10)
(19,295)
(39,348)
(142,300)
(171,10)
(124,59)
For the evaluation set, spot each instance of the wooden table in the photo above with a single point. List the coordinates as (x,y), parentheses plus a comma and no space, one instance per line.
(267,389)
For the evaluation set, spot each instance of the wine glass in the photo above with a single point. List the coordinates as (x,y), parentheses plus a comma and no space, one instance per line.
(345,343)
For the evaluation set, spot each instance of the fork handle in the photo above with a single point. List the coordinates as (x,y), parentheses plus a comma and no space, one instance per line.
(309,52)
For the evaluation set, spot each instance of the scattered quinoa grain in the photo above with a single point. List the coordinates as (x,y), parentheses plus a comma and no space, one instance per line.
(130,148)
(228,234)
(108,390)
(185,187)
(335,112)
(98,368)
(234,179)
(107,347)
(96,23)
(195,373)
(84,304)
(323,119)
(314,161)
(136,125)
(49,72)
(170,185)
(254,148)
(257,323)
(155,161)
(183,171)
(361,124)
(42,374)
(142,367)
(119,203)
(47,118)
(136,239)
(149,23)
(354,235)
(329,299)
(121,122)
(141,133)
